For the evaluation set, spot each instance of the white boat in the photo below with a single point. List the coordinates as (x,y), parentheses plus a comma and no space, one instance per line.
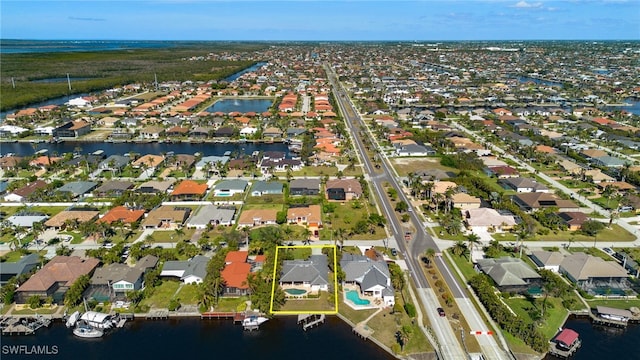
(253,321)
(71,321)
(97,319)
(86,331)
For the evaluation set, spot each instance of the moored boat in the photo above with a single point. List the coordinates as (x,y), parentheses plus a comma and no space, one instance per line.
(86,331)
(71,321)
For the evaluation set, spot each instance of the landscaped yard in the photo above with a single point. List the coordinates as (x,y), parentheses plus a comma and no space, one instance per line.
(162,295)
(616,233)
(160,236)
(618,304)
(320,304)
(229,304)
(265,199)
(188,295)
(345,216)
(355,316)
(554,317)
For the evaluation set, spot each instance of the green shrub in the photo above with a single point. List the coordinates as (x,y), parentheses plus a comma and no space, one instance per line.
(410,309)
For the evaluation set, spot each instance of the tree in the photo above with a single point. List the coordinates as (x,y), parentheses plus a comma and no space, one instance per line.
(401,206)
(429,254)
(472,240)
(460,249)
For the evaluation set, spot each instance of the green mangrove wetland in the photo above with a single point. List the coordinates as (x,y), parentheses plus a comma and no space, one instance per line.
(22,74)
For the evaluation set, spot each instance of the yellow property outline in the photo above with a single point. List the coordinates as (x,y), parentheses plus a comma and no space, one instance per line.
(335,281)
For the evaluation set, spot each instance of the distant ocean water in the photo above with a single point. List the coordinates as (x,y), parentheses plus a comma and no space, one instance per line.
(11,46)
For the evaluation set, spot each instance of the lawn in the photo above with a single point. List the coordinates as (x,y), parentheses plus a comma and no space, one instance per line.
(188,295)
(466,268)
(355,316)
(298,253)
(441,233)
(162,295)
(265,199)
(511,237)
(616,233)
(320,304)
(606,202)
(26,310)
(593,252)
(322,171)
(617,303)
(160,236)
(232,304)
(554,317)
(576,184)
(385,325)
(13,256)
(345,216)
(406,165)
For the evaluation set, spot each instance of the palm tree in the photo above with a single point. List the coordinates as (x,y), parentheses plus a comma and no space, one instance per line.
(306,234)
(179,233)
(429,254)
(472,240)
(460,248)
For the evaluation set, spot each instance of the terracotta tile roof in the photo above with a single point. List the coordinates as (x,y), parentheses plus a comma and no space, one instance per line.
(235,275)
(189,187)
(59,219)
(236,256)
(125,214)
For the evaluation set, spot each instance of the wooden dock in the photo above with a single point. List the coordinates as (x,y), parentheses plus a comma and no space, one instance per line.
(23,326)
(312,321)
(564,354)
(219,315)
(158,315)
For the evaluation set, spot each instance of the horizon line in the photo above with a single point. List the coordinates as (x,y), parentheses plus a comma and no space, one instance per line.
(353,40)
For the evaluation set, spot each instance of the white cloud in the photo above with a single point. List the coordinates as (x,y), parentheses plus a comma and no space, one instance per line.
(523,4)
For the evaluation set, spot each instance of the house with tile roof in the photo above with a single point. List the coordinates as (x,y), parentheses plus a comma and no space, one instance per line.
(189,190)
(235,273)
(533,201)
(372,277)
(257,217)
(488,218)
(72,129)
(166,217)
(124,214)
(61,219)
(306,216)
(311,274)
(343,189)
(55,278)
(23,193)
(464,201)
(510,274)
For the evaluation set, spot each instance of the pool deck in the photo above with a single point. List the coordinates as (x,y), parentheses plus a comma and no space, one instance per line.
(372,300)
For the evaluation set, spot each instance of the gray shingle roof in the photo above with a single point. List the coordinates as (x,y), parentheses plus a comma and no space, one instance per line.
(507,271)
(314,270)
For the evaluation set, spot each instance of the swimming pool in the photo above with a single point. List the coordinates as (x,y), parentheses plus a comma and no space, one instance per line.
(295,291)
(353,296)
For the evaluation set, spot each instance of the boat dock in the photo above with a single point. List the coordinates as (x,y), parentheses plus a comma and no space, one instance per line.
(310,320)
(23,326)
(611,317)
(363,331)
(158,314)
(236,316)
(564,354)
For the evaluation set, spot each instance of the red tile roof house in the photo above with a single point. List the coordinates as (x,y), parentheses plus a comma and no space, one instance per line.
(189,190)
(122,213)
(55,278)
(235,274)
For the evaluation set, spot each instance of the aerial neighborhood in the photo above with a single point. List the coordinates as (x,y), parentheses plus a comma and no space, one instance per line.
(370,172)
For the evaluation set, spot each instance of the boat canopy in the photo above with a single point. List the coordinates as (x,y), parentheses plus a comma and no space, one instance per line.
(94,317)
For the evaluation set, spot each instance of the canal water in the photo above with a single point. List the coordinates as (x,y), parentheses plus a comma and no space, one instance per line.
(241,105)
(279,338)
(206,149)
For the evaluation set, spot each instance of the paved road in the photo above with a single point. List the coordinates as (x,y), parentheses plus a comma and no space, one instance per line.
(450,348)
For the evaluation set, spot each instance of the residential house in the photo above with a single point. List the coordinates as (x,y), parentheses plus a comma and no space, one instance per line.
(192,271)
(77,188)
(112,282)
(235,273)
(113,188)
(72,216)
(55,278)
(343,189)
(533,201)
(230,187)
(510,274)
(414,150)
(311,274)
(502,172)
(188,190)
(212,215)
(483,219)
(166,217)
(465,201)
(16,268)
(148,161)
(26,218)
(22,194)
(372,277)
(308,216)
(549,260)
(266,188)
(155,186)
(307,187)
(573,219)
(151,132)
(72,129)
(114,163)
(272,132)
(123,214)
(523,185)
(590,272)
(257,217)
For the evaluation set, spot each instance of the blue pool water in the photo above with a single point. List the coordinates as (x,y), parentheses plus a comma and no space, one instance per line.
(295,291)
(353,296)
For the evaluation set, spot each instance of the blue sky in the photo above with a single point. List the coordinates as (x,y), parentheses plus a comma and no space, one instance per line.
(321,20)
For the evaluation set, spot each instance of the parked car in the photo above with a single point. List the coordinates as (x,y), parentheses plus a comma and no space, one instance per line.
(441,312)
(608,251)
(394,252)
